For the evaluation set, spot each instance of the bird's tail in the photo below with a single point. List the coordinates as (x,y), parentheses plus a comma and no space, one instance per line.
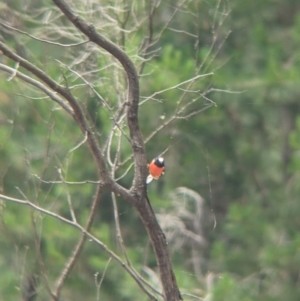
(149,179)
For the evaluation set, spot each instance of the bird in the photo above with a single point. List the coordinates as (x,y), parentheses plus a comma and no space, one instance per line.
(156,169)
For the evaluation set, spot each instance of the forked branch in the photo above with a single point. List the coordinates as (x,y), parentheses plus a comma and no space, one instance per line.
(137,142)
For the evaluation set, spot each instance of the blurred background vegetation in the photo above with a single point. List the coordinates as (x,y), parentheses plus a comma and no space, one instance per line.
(236,163)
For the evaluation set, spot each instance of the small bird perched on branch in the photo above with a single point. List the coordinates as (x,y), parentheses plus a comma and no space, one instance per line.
(156,169)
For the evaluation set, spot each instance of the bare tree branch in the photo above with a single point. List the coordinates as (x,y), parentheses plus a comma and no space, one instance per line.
(78,115)
(87,234)
(78,248)
(137,142)
(38,85)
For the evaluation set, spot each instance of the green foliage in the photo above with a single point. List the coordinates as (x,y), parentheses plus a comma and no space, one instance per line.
(241,155)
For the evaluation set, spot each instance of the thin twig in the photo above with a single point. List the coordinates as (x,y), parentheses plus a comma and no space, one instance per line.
(98,95)
(42,40)
(38,85)
(40,260)
(67,182)
(126,171)
(68,196)
(87,83)
(177,86)
(99,284)
(79,144)
(78,248)
(118,229)
(15,72)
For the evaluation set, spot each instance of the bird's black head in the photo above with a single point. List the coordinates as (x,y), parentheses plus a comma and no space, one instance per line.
(160,162)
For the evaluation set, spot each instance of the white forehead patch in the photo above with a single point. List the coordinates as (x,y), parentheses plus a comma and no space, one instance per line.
(161,159)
